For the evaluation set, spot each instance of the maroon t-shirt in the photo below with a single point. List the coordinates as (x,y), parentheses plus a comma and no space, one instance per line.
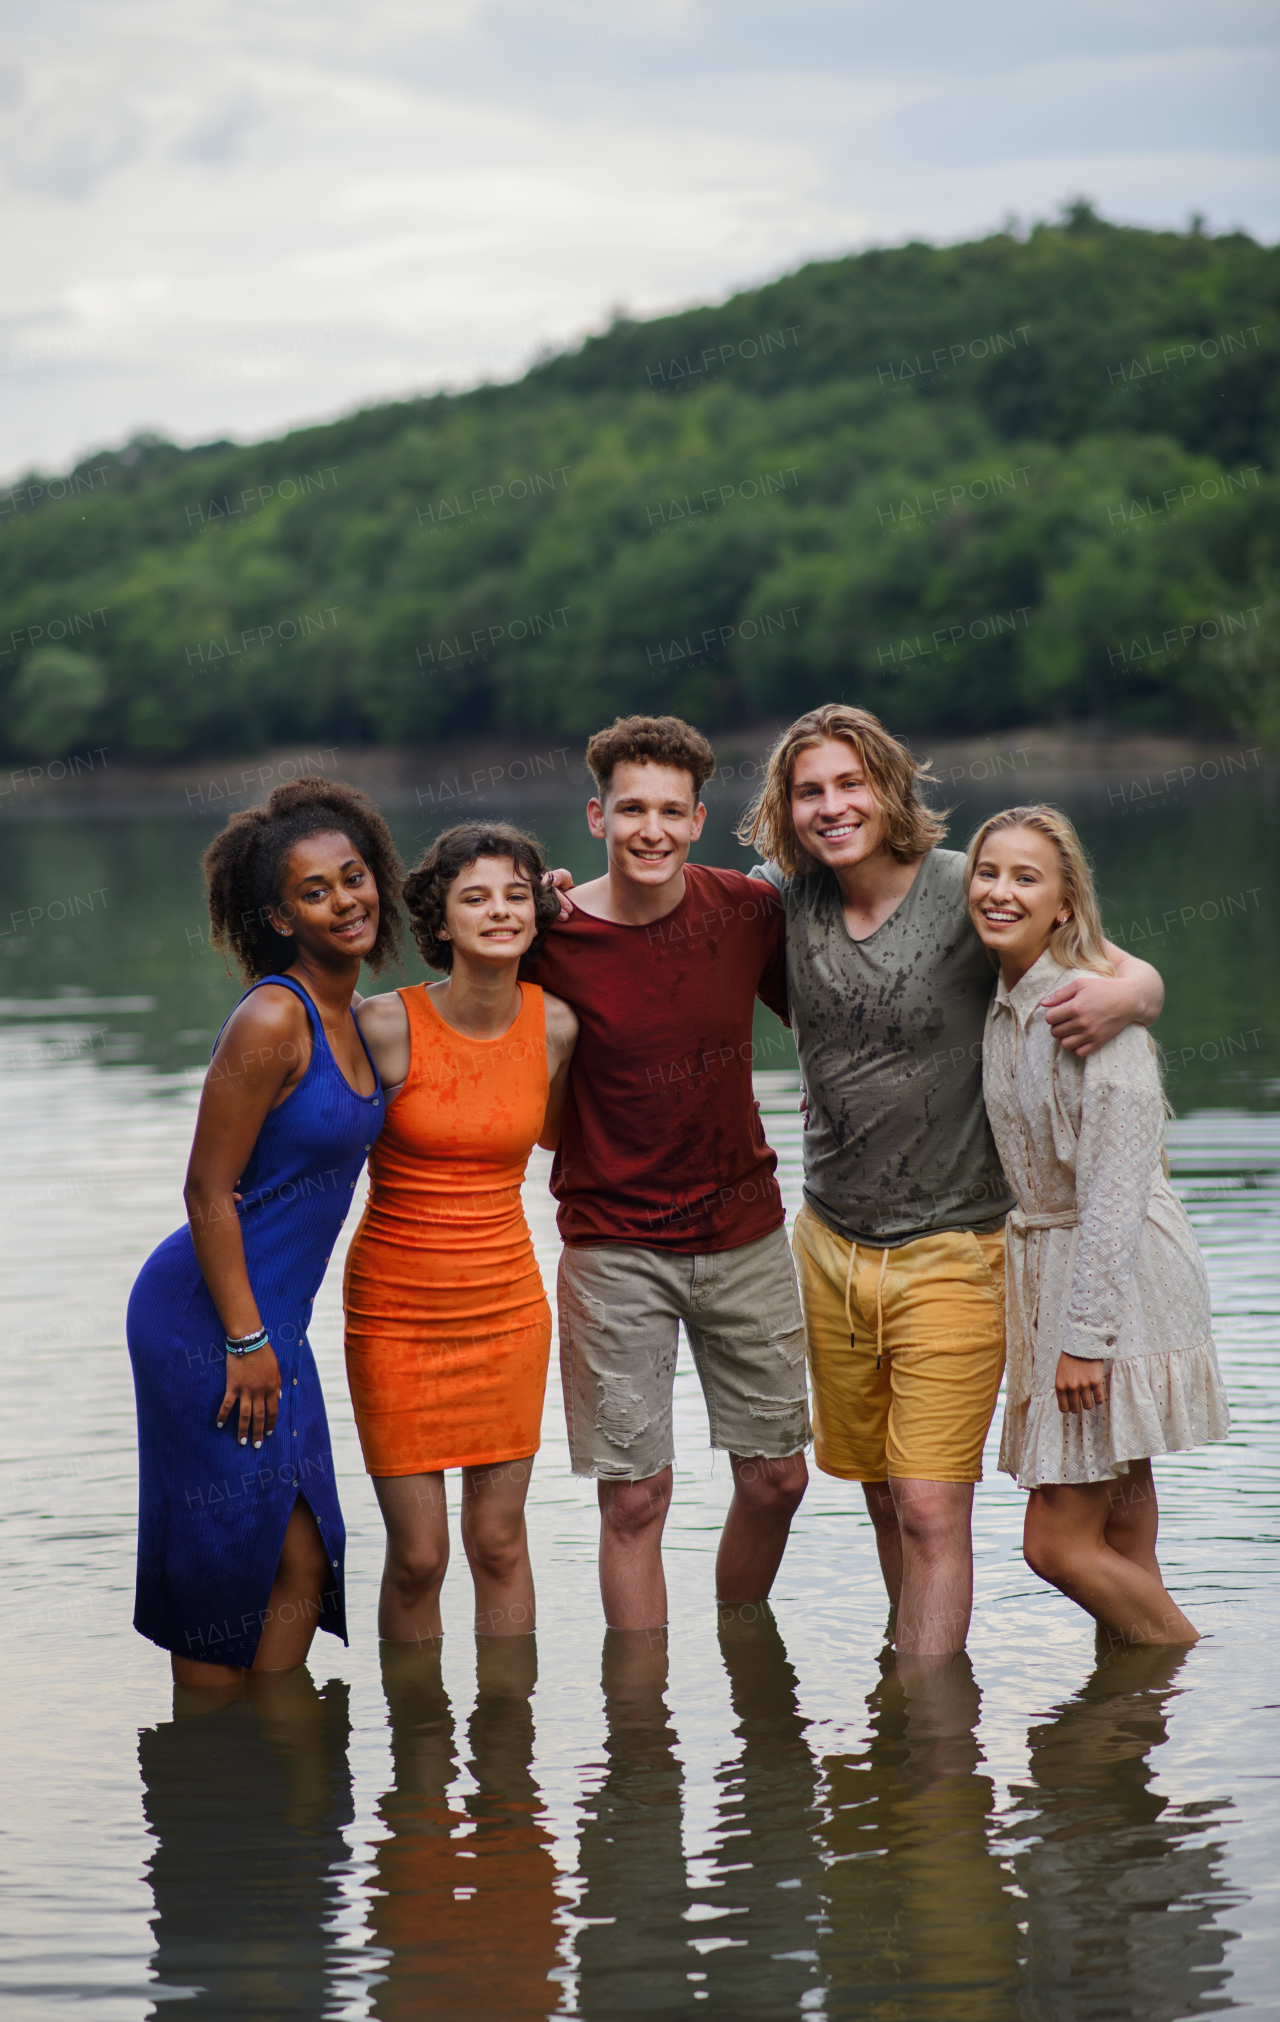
(662,1143)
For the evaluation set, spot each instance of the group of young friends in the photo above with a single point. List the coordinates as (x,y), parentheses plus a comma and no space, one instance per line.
(984,1186)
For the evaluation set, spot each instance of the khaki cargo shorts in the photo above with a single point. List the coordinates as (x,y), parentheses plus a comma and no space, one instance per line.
(620,1310)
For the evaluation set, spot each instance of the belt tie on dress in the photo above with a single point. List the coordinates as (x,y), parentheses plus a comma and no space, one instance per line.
(1023,1225)
(848,1299)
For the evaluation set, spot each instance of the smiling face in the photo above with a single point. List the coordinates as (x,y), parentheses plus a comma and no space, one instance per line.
(489,912)
(1017,897)
(838,819)
(648,819)
(328,899)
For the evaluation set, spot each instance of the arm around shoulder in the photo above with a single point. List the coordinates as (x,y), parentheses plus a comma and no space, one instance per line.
(1145,984)
(1089,1010)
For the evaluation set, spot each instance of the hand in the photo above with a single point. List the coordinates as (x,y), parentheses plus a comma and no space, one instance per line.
(1088,1011)
(253,1383)
(1080,1385)
(561,881)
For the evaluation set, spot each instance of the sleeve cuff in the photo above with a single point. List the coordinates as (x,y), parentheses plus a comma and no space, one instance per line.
(1090,1343)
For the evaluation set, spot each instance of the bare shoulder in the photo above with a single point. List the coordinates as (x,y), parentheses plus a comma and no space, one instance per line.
(268,1016)
(562,1022)
(382,1017)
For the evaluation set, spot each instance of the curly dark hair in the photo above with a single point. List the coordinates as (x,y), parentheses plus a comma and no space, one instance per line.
(242,868)
(650,740)
(427,885)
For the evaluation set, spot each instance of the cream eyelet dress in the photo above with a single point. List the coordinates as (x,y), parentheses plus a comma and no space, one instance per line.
(1100,1258)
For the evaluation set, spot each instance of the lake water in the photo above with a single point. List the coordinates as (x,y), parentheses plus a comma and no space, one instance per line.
(758,1821)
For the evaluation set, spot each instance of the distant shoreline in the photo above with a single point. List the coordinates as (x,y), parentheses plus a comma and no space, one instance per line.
(444,781)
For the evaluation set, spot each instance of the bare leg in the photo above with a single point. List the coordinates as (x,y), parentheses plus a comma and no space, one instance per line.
(417,1520)
(293,1611)
(766,1495)
(633,1587)
(1133,1518)
(883,1512)
(937,1565)
(634,1675)
(1065,1541)
(497,1546)
(943,1702)
(506,1666)
(294,1606)
(193,1675)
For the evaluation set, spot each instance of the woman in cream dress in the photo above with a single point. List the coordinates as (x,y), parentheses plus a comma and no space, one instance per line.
(1110,1350)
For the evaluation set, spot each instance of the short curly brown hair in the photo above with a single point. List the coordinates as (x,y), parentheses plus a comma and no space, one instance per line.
(242,868)
(427,886)
(650,740)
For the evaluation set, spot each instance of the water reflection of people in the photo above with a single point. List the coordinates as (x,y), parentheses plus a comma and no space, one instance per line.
(769,1862)
(630,1955)
(464,1899)
(920,1921)
(246,1792)
(1119,1883)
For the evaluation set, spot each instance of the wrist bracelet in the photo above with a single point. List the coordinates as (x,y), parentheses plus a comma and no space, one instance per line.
(246,1343)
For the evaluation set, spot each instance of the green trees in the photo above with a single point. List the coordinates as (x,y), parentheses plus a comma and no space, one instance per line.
(969,487)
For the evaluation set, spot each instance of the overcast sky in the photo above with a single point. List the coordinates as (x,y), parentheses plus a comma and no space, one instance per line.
(227,216)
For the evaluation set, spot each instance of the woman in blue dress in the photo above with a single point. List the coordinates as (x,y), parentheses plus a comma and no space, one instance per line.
(240,1537)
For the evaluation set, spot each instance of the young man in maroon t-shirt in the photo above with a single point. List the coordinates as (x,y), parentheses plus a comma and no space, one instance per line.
(669,1209)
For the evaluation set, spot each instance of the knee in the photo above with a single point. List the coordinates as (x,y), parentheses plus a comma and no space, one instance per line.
(773,1487)
(496,1551)
(632,1509)
(922,1523)
(416,1569)
(1043,1552)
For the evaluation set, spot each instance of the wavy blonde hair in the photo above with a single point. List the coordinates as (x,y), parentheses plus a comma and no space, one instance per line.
(1080,943)
(911,828)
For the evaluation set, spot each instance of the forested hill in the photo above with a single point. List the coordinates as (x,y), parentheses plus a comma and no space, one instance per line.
(1012,480)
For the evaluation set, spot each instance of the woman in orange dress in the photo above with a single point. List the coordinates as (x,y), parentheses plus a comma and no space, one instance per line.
(448,1327)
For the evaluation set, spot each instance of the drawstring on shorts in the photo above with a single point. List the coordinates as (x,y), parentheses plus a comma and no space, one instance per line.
(848,1299)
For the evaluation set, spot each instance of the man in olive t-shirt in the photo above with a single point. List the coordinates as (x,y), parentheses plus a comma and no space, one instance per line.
(899,1245)
(898,1145)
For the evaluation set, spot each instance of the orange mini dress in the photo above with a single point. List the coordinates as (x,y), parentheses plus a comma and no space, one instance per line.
(448,1331)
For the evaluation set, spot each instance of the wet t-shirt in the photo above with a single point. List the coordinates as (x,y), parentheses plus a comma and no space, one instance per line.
(889,1032)
(662,1143)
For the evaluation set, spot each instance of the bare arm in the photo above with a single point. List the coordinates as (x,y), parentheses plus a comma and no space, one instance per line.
(562,1035)
(384,1024)
(264,1052)
(1090,1010)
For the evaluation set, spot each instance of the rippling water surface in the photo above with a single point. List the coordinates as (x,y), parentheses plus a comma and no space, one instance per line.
(764,1819)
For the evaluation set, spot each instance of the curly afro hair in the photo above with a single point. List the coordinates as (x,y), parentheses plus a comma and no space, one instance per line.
(427,885)
(243,865)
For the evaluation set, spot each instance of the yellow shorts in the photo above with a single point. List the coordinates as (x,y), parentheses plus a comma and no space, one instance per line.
(906,1351)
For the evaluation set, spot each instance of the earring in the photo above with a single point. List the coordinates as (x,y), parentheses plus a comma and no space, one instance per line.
(286,930)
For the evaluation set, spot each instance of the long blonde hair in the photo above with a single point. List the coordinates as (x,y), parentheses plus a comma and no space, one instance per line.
(910,828)
(1080,942)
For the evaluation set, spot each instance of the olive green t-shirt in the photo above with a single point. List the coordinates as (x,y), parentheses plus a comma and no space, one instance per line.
(889,1032)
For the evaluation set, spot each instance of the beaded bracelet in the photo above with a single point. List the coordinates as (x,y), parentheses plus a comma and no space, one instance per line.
(246,1344)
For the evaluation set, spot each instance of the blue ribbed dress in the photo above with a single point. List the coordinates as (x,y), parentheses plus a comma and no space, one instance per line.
(212,1513)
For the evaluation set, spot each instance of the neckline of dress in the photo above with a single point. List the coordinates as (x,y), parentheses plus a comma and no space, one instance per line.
(466,1036)
(292,983)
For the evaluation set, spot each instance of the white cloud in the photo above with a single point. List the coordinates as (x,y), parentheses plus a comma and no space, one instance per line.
(229,217)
